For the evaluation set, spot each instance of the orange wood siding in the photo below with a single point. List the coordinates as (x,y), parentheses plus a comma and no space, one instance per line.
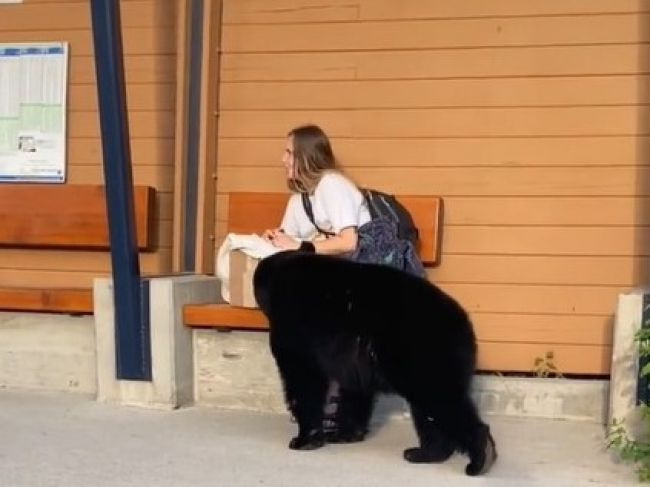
(529,118)
(149,40)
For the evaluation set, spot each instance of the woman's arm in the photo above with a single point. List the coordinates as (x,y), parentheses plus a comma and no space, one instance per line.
(341,243)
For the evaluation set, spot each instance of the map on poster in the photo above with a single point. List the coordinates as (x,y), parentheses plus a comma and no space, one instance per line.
(33,86)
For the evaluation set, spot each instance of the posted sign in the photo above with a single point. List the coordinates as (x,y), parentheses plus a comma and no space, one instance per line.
(33,86)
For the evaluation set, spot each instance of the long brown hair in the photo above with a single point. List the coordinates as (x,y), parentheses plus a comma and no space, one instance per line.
(312,156)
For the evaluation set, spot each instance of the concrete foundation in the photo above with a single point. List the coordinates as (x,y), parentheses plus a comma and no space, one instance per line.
(47,352)
(171,343)
(625,363)
(232,370)
(236,370)
(570,399)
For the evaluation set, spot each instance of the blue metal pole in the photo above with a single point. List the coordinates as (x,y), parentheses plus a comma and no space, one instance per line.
(132,340)
(193,131)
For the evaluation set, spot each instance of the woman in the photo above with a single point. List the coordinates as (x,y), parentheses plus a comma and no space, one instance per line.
(338,206)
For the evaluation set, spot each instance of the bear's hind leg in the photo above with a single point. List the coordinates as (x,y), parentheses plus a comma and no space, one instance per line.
(352,416)
(463,423)
(482,452)
(434,447)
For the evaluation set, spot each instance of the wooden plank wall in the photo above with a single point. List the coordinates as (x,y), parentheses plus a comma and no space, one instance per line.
(530,119)
(150,63)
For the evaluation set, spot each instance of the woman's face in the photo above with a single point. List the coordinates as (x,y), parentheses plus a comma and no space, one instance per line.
(287,158)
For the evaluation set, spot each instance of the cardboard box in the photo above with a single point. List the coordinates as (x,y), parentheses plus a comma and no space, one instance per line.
(242,268)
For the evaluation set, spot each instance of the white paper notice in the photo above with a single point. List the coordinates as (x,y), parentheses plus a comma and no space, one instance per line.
(33,85)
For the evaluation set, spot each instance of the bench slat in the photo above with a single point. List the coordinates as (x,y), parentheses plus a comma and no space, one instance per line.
(47,300)
(223,315)
(427,213)
(66,216)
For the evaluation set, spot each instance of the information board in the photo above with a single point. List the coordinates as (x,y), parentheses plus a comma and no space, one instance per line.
(33,88)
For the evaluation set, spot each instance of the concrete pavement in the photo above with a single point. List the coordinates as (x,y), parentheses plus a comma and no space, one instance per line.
(69,440)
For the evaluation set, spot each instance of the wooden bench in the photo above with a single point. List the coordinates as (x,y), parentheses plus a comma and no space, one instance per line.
(254,212)
(66,217)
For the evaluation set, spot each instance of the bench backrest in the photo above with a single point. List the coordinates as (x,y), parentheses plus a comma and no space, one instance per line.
(254,212)
(66,216)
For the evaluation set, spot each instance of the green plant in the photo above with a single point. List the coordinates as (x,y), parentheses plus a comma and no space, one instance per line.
(635,450)
(545,367)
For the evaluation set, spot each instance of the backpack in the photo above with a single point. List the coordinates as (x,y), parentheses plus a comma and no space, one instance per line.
(386,206)
(390,238)
(380,205)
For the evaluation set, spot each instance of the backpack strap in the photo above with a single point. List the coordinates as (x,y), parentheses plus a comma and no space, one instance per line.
(375,212)
(306,204)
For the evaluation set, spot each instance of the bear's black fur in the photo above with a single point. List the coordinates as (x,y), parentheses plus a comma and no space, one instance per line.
(372,328)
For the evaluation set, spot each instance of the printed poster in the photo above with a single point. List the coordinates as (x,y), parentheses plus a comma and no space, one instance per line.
(33,88)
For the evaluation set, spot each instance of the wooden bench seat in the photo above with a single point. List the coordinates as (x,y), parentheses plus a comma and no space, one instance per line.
(70,217)
(254,212)
(73,301)
(224,316)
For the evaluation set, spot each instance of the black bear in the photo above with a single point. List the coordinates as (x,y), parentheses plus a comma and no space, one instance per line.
(372,328)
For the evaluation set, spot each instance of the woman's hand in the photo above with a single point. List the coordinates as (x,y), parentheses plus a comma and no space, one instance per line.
(270,234)
(281,240)
(284,242)
(343,242)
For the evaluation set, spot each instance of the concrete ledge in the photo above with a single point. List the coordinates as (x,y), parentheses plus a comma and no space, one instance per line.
(571,399)
(236,370)
(51,352)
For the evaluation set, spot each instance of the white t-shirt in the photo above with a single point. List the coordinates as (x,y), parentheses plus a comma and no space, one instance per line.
(337,204)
